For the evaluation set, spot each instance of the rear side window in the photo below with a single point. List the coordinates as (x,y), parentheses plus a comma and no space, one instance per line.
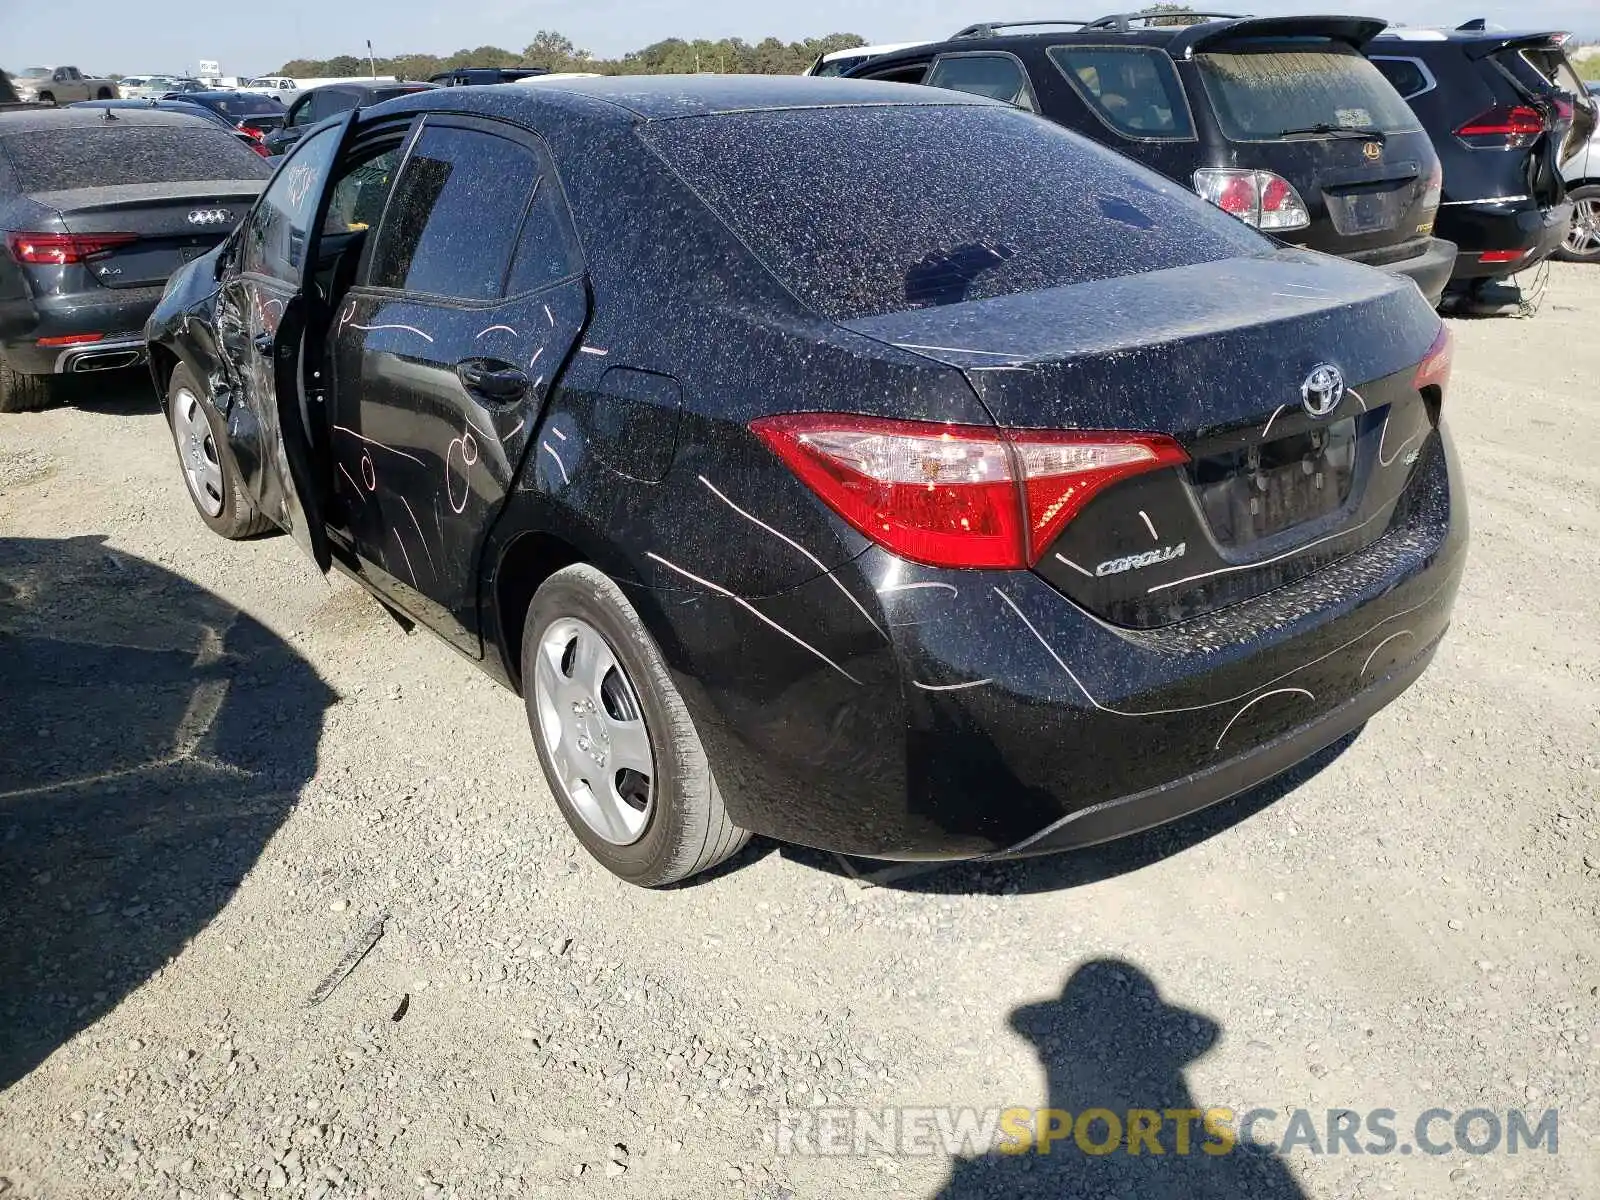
(893,207)
(325,104)
(1263,94)
(1408,75)
(996,76)
(548,249)
(1133,90)
(455,215)
(112,155)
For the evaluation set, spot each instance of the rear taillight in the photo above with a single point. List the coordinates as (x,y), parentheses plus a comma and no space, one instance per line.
(1258,198)
(1505,127)
(60,249)
(1433,191)
(1434,370)
(1495,257)
(958,495)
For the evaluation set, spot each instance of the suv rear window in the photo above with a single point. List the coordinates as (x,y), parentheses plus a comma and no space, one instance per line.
(1133,89)
(1262,94)
(893,207)
(111,156)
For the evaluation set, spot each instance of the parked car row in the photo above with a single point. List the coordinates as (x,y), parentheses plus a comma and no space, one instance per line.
(1444,156)
(878,468)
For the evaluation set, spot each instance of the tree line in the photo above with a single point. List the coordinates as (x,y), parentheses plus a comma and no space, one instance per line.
(556,52)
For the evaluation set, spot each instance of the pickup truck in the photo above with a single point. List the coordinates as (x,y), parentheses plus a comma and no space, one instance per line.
(62,85)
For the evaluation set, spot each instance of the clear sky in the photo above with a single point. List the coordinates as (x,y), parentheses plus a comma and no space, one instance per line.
(172,35)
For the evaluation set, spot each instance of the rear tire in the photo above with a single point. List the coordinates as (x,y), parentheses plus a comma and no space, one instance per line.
(679,825)
(1582,244)
(24,393)
(47,98)
(210,475)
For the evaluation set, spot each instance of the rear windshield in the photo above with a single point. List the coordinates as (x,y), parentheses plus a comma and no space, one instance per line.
(1263,94)
(110,156)
(863,211)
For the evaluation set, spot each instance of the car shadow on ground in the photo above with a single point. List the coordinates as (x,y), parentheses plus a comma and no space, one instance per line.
(152,740)
(1073,868)
(1110,1042)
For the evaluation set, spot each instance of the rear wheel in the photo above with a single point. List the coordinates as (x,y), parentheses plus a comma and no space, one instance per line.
(1582,244)
(616,742)
(103,94)
(47,98)
(24,393)
(209,472)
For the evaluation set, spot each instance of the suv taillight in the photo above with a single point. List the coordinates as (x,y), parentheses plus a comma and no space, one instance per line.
(1433,192)
(958,495)
(60,249)
(1257,198)
(1506,127)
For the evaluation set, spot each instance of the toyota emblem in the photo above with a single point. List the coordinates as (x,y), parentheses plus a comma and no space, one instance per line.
(208,216)
(1323,390)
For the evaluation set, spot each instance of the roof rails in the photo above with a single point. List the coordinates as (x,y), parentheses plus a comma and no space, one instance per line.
(993,28)
(1154,18)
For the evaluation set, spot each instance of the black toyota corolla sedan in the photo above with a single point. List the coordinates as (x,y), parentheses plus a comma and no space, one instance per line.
(869,467)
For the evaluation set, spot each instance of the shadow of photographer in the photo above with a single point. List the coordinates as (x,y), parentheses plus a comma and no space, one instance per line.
(1112,1046)
(152,740)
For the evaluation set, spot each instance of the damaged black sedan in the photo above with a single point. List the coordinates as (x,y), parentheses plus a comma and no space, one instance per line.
(869,467)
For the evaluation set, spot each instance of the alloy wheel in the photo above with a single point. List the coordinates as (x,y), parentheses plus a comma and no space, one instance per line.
(593,729)
(1583,239)
(197,450)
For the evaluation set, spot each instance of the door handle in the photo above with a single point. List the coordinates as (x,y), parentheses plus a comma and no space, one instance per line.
(497,381)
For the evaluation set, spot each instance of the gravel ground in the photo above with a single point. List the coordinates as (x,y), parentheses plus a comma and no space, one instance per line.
(219,774)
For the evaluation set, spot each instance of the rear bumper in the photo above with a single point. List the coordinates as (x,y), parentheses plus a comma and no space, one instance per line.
(118,316)
(1430,270)
(1128,815)
(1497,227)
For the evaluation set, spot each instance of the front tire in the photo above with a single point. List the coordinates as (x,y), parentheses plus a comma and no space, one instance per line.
(24,393)
(210,475)
(103,94)
(1582,244)
(47,98)
(613,735)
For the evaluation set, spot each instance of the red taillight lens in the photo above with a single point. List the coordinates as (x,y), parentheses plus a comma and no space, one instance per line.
(1501,256)
(60,249)
(957,495)
(71,339)
(1258,198)
(1434,370)
(1503,128)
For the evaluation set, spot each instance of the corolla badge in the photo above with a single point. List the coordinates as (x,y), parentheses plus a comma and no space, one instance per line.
(1323,390)
(208,216)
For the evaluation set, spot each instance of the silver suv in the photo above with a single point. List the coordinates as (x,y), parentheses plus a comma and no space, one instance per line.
(1582,174)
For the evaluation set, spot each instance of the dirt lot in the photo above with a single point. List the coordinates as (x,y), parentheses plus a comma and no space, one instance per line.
(217,771)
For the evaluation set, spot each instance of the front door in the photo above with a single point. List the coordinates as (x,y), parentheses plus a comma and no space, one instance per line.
(467,304)
(262,316)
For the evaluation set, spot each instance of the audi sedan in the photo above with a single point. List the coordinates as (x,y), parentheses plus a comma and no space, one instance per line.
(870,467)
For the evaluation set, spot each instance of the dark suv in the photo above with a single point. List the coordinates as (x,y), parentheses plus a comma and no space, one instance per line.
(1279,121)
(1506,111)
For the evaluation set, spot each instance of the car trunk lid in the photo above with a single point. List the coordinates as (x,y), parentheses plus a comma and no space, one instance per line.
(1232,360)
(171,224)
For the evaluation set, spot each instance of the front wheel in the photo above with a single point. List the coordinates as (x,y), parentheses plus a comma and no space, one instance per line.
(209,472)
(103,94)
(47,98)
(1582,244)
(616,742)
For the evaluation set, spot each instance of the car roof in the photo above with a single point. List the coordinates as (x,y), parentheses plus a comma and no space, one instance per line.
(1117,30)
(219,94)
(72,117)
(664,97)
(857,51)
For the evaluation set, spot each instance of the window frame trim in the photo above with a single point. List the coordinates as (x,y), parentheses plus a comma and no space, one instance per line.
(1027,78)
(506,130)
(239,271)
(1430,82)
(1081,93)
